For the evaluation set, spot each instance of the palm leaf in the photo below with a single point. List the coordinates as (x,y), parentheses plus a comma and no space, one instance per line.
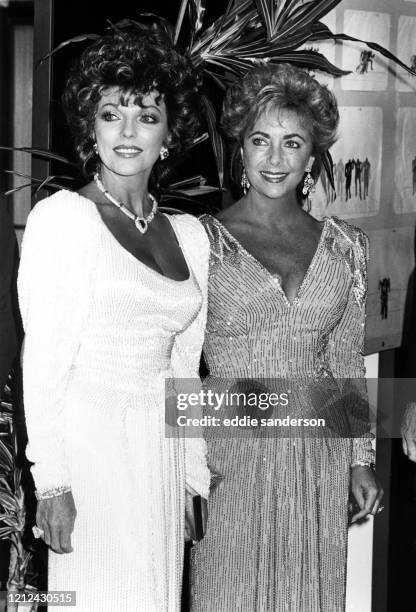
(5,483)
(199,139)
(322,32)
(37,184)
(198,179)
(265,10)
(74,39)
(6,458)
(196,17)
(376,47)
(282,15)
(9,521)
(33,185)
(50,179)
(328,164)
(36,180)
(7,502)
(10,192)
(5,532)
(179,20)
(217,142)
(312,60)
(231,22)
(42,153)
(308,13)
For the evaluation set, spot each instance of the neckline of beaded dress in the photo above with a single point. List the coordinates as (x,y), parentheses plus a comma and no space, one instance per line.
(133,257)
(276,279)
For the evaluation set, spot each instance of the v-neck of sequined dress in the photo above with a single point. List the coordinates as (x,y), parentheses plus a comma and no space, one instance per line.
(275,278)
(277,533)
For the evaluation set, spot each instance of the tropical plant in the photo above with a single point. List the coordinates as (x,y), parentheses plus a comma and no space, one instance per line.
(12,502)
(248,33)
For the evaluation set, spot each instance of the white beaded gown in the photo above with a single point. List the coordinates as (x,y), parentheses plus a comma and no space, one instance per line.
(103,331)
(276,537)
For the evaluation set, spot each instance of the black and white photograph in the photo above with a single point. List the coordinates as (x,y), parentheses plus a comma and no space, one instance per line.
(207,305)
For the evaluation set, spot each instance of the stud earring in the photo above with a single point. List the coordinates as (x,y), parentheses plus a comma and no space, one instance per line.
(245,183)
(164,152)
(308,184)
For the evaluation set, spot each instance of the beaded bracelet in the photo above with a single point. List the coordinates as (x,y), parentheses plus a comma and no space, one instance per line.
(368,464)
(54,492)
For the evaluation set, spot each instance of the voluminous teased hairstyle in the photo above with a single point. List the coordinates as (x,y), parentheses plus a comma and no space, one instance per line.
(282,87)
(137,61)
(279,87)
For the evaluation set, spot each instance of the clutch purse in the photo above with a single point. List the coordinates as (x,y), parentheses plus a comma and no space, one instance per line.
(195,517)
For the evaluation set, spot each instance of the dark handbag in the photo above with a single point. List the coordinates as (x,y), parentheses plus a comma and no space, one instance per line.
(195,517)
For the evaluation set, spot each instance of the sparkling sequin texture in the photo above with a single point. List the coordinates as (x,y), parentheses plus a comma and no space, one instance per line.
(103,331)
(277,531)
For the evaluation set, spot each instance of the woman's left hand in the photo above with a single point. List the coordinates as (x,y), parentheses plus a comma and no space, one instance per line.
(366,490)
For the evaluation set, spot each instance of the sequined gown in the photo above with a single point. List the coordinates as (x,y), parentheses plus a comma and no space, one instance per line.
(277,531)
(103,331)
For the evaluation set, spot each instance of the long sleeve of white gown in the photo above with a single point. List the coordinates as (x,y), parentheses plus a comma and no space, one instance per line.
(54,286)
(187,349)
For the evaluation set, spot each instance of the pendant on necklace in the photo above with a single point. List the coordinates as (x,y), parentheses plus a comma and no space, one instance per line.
(141,224)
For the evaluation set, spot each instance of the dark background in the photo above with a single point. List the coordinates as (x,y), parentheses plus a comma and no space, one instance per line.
(78,17)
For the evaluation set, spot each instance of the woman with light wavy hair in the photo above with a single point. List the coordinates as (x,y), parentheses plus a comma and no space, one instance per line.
(286,312)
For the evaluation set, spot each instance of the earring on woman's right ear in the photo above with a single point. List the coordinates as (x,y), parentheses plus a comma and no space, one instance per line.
(245,183)
(95,147)
(164,152)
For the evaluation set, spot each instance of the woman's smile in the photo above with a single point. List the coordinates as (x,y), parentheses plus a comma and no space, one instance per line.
(276,152)
(127,151)
(130,135)
(273,177)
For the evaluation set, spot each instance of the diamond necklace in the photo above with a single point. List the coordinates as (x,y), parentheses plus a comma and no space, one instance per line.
(141,223)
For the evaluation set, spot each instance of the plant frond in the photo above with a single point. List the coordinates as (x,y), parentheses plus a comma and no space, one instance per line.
(6,458)
(70,41)
(311,60)
(196,10)
(16,189)
(33,185)
(10,522)
(42,153)
(179,20)
(5,532)
(216,139)
(329,168)
(265,10)
(307,13)
(376,47)
(7,502)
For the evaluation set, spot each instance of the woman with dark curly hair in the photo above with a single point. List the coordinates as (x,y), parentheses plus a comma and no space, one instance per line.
(113,299)
(286,310)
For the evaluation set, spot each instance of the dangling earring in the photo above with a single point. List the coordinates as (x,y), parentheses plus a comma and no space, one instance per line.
(164,152)
(308,184)
(245,183)
(95,147)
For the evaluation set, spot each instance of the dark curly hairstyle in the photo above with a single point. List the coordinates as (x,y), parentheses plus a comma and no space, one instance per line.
(137,61)
(282,87)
